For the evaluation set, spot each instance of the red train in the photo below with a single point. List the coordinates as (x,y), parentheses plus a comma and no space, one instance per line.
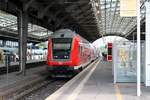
(68,52)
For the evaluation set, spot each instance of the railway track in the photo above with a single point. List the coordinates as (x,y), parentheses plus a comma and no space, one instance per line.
(45,90)
(37,89)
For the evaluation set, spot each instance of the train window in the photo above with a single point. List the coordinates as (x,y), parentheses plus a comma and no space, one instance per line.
(62,46)
(61,40)
(109,51)
(81,51)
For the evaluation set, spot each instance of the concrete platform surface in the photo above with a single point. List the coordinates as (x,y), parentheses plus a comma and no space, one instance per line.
(96,83)
(17,63)
(11,78)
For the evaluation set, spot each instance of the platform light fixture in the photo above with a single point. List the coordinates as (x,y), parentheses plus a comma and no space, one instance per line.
(96,4)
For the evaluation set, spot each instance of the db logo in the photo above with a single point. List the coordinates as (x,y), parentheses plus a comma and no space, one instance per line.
(60,63)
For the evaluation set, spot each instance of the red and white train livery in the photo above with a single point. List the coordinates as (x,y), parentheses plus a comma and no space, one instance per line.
(68,51)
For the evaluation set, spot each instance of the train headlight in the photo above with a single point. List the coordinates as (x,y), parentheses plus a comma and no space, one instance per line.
(66,56)
(55,56)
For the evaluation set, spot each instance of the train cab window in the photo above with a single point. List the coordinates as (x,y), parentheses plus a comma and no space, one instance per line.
(61,48)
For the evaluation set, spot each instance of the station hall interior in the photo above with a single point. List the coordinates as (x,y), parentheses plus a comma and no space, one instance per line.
(74,49)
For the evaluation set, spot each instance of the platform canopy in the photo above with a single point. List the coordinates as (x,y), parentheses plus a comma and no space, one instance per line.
(91,19)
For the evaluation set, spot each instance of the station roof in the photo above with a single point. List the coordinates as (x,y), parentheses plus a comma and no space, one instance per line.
(111,23)
(91,19)
(56,14)
(8,25)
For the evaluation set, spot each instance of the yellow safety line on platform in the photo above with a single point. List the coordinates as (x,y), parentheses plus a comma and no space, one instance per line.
(78,89)
(118,93)
(60,91)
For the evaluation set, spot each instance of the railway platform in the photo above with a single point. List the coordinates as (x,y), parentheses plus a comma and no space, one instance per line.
(28,62)
(96,83)
(14,66)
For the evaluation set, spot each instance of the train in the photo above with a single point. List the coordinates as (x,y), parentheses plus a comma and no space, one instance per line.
(68,52)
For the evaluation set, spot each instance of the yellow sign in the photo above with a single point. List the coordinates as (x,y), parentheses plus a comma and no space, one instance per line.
(122,55)
(127,8)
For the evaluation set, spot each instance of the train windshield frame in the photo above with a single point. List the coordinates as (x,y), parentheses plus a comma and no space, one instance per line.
(61,48)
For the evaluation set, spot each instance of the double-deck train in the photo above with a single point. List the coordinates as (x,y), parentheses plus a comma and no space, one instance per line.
(68,52)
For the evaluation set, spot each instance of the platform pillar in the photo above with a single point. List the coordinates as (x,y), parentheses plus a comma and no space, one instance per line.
(22,30)
(4,43)
(138,49)
(147,45)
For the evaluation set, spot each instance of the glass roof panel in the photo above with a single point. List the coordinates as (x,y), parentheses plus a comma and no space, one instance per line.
(111,20)
(8,23)
(38,30)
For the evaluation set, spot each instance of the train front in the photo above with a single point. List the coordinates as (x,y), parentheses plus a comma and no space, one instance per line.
(59,58)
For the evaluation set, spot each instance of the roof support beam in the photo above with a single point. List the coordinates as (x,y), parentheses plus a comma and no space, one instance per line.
(22,30)
(27,5)
(42,12)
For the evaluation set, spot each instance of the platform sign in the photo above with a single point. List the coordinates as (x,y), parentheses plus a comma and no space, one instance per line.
(124,62)
(127,8)
(122,56)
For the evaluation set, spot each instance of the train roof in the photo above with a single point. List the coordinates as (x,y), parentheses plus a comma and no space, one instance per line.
(63,33)
(67,33)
